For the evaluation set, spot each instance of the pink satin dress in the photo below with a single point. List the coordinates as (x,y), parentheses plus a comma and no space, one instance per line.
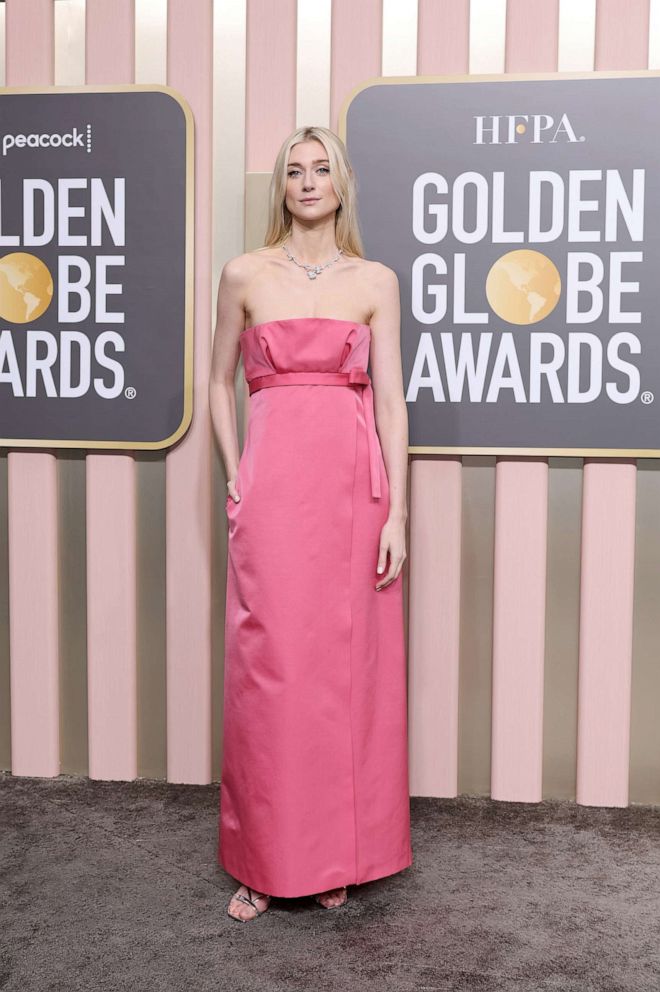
(314,783)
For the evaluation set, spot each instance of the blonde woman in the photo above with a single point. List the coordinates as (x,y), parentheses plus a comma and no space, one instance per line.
(314,783)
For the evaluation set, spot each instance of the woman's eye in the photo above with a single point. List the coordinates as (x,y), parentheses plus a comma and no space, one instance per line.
(322,168)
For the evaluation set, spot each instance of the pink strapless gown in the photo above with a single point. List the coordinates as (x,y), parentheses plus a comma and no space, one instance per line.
(314,791)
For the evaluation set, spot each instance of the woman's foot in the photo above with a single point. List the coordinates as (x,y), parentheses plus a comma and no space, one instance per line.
(332,898)
(246,904)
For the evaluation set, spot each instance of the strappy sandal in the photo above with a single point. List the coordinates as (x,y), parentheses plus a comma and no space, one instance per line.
(251,902)
(318,895)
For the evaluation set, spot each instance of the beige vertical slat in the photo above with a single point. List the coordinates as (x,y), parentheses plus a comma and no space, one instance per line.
(654,35)
(74,721)
(313,39)
(575,42)
(5,702)
(399,54)
(150,41)
(229,208)
(151,67)
(475,687)
(577,34)
(644,785)
(69,42)
(5,707)
(70,71)
(487,35)
(562,628)
(3,25)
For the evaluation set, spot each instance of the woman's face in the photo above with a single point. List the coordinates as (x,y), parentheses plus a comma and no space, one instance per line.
(308,179)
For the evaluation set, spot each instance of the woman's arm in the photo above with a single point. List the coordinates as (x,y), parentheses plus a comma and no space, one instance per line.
(230,318)
(389,402)
(391,413)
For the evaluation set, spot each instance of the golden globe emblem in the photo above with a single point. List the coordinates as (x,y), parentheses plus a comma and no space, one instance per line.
(523,286)
(26,287)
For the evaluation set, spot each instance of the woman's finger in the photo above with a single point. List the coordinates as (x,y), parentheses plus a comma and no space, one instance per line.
(393,573)
(385,581)
(233,493)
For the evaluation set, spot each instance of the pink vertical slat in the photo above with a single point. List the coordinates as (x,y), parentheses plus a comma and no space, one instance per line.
(111,499)
(521,509)
(443,37)
(521,505)
(608,538)
(606,616)
(188,465)
(622,34)
(532,35)
(32,496)
(435,520)
(356,49)
(434,624)
(270,103)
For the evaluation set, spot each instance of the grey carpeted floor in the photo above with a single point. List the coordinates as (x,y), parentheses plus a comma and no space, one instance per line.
(113,886)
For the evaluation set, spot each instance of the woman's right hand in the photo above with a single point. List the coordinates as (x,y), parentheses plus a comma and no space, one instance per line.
(232,491)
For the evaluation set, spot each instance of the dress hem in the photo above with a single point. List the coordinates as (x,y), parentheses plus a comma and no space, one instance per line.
(390,868)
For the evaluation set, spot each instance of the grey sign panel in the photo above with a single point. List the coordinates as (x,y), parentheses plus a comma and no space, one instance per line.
(96,267)
(521,214)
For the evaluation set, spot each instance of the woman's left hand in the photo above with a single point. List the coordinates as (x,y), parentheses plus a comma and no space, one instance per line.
(392,541)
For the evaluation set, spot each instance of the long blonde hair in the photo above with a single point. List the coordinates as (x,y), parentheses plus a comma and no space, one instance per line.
(347,230)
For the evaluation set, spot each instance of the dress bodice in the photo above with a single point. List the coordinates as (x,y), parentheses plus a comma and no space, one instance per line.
(323,344)
(314,350)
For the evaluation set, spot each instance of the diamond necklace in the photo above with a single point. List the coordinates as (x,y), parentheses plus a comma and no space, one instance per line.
(312,270)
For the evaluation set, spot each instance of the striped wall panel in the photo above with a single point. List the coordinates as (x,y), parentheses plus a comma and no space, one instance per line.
(530,583)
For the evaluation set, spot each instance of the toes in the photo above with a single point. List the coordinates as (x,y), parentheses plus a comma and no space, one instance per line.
(333,897)
(244,914)
(240,911)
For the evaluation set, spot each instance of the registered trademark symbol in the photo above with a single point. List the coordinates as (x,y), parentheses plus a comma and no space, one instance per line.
(130,392)
(647,396)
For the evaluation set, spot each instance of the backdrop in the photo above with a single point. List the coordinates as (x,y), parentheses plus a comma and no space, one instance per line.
(532,622)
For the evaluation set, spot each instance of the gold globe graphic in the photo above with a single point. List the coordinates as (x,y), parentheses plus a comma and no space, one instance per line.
(523,286)
(26,287)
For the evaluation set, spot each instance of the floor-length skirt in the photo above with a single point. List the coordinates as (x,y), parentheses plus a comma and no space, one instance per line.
(314,782)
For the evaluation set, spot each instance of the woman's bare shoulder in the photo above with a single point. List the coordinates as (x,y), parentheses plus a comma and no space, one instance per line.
(241,269)
(380,278)
(376,272)
(246,261)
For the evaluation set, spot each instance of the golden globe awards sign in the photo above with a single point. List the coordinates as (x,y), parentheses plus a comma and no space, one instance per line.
(96,201)
(521,214)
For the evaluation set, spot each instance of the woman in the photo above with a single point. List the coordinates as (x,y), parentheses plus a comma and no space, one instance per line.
(314,785)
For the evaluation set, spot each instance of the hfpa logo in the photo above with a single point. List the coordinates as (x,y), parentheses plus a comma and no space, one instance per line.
(511,129)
